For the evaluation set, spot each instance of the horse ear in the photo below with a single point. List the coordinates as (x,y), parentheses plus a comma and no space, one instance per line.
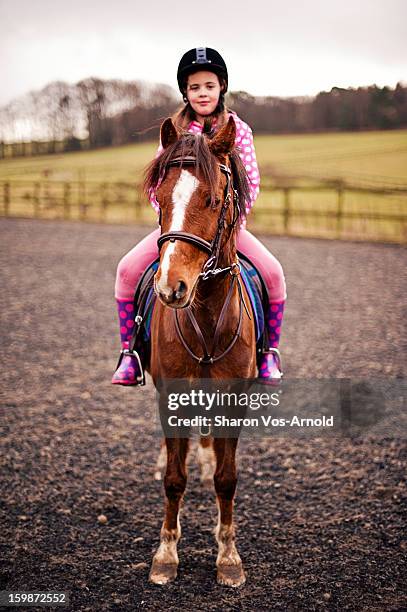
(224,141)
(169,134)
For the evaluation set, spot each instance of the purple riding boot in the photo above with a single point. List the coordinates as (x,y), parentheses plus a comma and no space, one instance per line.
(129,370)
(270,363)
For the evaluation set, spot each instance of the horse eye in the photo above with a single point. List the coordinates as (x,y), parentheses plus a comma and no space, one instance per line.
(208,201)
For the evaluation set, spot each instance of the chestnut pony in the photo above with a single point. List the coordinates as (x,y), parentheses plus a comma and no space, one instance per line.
(202,188)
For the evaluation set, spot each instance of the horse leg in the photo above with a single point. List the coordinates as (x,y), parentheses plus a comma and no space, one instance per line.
(229,564)
(206,459)
(165,560)
(161,461)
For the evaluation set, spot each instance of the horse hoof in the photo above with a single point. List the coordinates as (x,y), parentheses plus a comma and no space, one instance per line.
(231,575)
(162,573)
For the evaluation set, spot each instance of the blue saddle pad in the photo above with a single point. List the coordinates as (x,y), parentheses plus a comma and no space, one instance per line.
(149,302)
(250,278)
(253,283)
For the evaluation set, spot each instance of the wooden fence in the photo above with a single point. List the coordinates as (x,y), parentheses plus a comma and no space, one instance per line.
(328,210)
(51,147)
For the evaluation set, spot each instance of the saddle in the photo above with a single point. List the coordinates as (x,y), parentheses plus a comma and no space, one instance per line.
(145,298)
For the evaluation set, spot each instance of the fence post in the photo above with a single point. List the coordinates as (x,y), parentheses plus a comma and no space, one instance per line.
(82,200)
(6,191)
(339,211)
(286,209)
(82,194)
(138,202)
(104,202)
(36,200)
(67,202)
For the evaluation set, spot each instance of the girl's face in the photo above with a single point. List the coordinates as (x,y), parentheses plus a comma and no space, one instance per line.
(203,91)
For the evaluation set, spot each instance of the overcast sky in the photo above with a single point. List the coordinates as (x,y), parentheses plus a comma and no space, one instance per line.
(271,47)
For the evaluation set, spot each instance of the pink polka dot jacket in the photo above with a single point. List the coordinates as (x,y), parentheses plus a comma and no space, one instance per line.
(245,146)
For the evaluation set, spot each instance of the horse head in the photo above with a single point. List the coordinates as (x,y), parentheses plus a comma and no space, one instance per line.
(195,180)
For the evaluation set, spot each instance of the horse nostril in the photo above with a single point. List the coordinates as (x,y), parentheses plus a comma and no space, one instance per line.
(181,290)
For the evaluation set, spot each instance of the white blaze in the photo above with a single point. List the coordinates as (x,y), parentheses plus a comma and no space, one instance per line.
(181,196)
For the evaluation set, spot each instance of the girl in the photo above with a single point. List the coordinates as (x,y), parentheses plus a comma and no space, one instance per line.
(203,81)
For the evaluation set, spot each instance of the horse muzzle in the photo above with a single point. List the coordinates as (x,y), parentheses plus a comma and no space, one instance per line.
(175,297)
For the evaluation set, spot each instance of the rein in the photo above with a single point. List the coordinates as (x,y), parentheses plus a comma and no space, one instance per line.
(210,269)
(208,357)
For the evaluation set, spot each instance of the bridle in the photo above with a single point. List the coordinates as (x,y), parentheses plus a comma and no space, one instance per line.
(211,248)
(210,268)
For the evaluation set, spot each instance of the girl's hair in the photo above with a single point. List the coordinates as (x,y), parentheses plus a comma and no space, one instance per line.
(183,117)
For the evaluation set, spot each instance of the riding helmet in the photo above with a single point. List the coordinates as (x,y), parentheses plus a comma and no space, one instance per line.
(201,58)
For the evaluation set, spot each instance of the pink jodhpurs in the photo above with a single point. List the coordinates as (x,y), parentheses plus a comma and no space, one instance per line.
(133,264)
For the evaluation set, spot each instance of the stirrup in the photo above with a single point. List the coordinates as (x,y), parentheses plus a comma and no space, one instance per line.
(141,379)
(276,352)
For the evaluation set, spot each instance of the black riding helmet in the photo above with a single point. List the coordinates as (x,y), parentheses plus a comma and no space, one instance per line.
(201,58)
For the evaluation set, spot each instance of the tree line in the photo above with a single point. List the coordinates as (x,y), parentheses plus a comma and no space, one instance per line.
(112,112)
(340,109)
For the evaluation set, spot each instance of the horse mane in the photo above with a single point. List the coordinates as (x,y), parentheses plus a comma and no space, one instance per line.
(196,145)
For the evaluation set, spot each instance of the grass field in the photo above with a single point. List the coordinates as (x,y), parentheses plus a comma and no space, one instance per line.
(376,160)
(365,158)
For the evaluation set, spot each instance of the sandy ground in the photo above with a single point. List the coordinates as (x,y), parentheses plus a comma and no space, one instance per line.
(320,521)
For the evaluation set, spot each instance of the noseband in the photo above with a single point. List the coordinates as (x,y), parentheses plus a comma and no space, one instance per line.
(211,248)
